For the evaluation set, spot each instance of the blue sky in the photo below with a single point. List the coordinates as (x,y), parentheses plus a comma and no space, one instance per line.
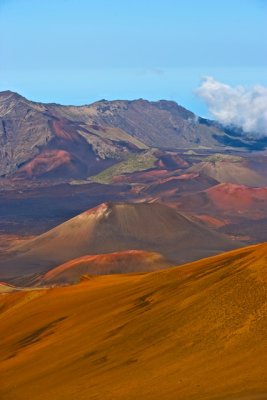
(79,51)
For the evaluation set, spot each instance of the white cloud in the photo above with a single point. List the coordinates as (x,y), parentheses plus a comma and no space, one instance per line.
(245,108)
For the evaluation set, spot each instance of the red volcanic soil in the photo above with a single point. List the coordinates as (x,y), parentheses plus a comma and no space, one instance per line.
(183,177)
(66,155)
(168,189)
(48,160)
(241,211)
(227,198)
(238,198)
(170,160)
(165,186)
(62,132)
(103,264)
(142,176)
(156,176)
(188,176)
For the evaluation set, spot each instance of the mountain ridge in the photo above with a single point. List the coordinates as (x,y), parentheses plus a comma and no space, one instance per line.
(49,140)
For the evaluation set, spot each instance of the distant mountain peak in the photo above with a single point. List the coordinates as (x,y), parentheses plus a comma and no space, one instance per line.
(96,136)
(8,94)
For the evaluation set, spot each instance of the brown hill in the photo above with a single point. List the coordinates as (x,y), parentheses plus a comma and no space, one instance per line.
(239,198)
(196,332)
(103,264)
(236,210)
(170,188)
(229,199)
(230,169)
(114,227)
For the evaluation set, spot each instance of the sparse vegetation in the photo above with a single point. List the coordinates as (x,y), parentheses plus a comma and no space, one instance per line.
(223,157)
(135,162)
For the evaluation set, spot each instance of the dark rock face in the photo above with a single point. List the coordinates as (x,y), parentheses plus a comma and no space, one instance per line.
(41,141)
(53,141)
(24,130)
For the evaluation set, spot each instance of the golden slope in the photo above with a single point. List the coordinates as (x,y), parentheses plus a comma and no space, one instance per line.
(196,332)
(6,288)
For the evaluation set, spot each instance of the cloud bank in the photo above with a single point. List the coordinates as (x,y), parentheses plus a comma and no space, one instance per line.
(244,108)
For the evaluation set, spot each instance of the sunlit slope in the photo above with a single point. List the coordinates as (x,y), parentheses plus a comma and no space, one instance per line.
(5,288)
(196,332)
(113,227)
(226,169)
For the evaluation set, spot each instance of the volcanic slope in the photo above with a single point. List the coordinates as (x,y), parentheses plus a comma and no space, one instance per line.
(230,169)
(228,198)
(50,141)
(104,264)
(5,288)
(113,227)
(237,210)
(195,332)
